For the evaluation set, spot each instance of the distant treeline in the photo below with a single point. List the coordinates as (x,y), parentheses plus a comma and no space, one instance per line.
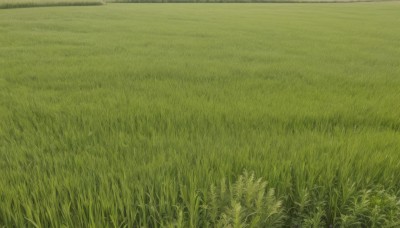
(227,1)
(5,4)
(239,1)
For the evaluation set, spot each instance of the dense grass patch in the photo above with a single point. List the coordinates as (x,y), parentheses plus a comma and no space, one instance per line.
(5,4)
(149,115)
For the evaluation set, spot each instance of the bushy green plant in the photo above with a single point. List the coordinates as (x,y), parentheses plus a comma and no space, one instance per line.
(246,203)
(372,208)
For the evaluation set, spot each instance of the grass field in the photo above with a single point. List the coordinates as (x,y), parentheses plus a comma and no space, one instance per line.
(152,115)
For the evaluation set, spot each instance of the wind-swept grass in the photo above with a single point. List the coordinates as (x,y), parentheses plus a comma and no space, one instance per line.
(147,115)
(5,4)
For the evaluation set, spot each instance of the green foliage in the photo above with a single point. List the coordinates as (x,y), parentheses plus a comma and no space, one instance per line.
(246,203)
(125,115)
(373,209)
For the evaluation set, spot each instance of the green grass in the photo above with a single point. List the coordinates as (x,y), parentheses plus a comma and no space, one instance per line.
(150,114)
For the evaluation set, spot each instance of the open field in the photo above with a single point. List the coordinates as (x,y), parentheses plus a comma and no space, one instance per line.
(129,114)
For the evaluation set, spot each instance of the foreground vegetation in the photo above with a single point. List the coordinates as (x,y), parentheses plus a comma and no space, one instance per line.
(168,115)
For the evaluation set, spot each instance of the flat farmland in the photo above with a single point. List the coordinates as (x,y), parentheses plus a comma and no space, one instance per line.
(167,115)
